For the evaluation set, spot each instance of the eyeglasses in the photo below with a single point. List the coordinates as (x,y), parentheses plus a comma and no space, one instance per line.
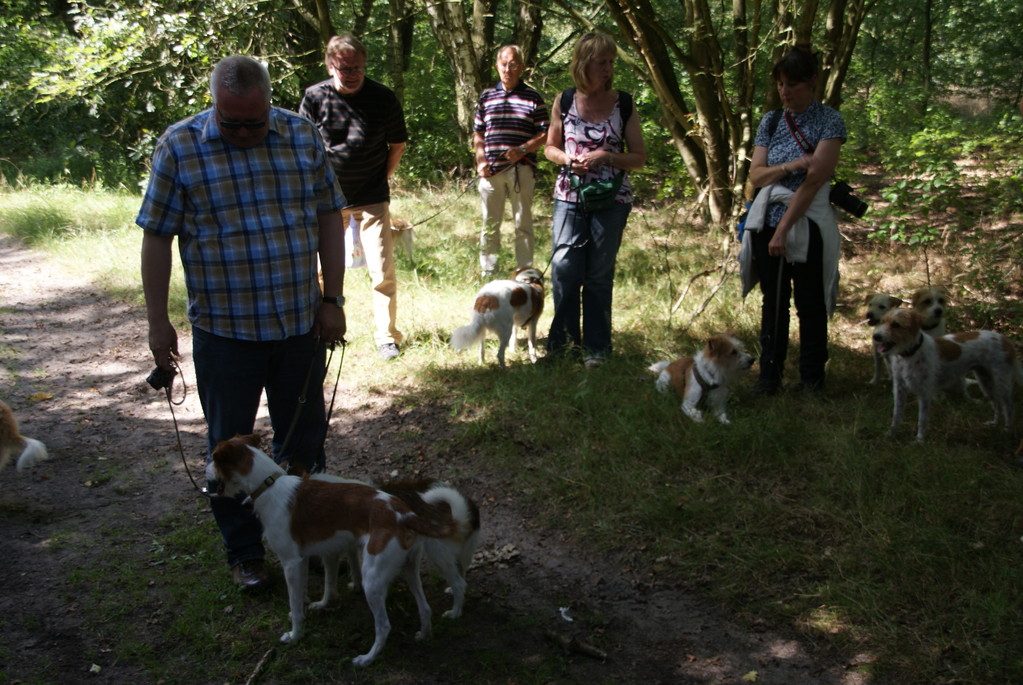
(348,71)
(236,125)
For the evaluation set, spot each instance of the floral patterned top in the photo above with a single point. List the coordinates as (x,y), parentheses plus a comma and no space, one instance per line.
(584,136)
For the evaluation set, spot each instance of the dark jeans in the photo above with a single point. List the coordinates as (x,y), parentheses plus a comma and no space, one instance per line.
(582,276)
(231,376)
(804,282)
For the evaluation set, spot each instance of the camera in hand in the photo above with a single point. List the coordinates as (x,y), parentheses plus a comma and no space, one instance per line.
(161,378)
(843,198)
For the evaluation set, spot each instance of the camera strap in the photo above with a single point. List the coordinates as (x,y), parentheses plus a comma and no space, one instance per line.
(797,135)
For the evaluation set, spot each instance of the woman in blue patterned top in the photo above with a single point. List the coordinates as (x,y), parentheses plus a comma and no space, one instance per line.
(594,138)
(791,232)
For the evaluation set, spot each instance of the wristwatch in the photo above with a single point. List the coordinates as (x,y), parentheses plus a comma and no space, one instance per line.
(339,300)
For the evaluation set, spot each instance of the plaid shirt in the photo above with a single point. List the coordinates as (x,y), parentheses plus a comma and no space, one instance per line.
(246,223)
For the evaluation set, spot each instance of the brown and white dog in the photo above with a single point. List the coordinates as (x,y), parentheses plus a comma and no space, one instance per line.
(12,442)
(502,306)
(705,378)
(305,517)
(877,306)
(932,304)
(453,555)
(926,366)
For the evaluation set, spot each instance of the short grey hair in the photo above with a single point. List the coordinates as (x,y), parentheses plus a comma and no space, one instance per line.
(239,74)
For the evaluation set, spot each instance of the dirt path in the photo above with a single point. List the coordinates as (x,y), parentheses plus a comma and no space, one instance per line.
(72,365)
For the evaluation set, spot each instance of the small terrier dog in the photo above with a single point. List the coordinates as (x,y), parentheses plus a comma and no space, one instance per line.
(926,366)
(932,303)
(877,306)
(502,306)
(11,441)
(705,378)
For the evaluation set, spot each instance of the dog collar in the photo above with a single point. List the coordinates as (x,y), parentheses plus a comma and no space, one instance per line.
(707,387)
(910,352)
(932,326)
(270,480)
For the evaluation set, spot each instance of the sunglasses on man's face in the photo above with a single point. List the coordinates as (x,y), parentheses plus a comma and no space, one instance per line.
(236,125)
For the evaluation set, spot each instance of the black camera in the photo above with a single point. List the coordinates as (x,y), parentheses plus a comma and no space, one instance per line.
(161,378)
(843,198)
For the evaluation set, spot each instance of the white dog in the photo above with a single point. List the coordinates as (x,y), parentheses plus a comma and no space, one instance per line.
(12,442)
(452,556)
(926,366)
(877,306)
(705,378)
(503,306)
(932,303)
(304,517)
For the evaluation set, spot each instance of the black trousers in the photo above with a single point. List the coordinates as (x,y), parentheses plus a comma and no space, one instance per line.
(805,284)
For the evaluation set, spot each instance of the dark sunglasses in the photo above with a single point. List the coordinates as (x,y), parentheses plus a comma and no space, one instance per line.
(235,125)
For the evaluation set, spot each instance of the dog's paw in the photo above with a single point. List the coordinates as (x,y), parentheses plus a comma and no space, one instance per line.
(362,660)
(451,613)
(321,604)
(422,635)
(289,637)
(724,420)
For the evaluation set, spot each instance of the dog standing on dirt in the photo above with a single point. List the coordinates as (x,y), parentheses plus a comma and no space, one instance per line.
(452,555)
(305,517)
(502,306)
(705,378)
(925,366)
(877,306)
(12,442)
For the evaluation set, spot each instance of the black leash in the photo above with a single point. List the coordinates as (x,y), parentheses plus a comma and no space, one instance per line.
(294,420)
(471,183)
(177,433)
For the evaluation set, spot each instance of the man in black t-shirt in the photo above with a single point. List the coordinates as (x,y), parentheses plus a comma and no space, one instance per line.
(363,127)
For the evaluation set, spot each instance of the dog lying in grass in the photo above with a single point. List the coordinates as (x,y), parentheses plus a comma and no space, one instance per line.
(705,379)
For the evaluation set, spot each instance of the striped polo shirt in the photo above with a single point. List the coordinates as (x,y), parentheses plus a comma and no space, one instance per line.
(507,119)
(246,222)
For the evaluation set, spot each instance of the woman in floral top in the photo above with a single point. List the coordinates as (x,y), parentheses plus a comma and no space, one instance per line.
(596,138)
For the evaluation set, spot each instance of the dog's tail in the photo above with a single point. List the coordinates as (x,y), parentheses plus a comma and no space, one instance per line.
(465,512)
(34,452)
(663,379)
(465,336)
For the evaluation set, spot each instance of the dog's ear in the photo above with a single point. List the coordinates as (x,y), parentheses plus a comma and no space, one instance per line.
(894,301)
(868,298)
(250,439)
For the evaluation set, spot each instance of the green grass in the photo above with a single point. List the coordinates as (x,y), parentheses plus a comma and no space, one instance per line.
(801,514)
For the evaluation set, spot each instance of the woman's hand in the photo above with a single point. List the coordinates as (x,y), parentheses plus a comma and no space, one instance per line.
(776,248)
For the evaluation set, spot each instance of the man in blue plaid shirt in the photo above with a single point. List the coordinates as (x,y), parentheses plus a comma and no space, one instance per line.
(247,190)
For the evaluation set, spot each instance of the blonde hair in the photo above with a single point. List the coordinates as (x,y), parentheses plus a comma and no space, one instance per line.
(590,47)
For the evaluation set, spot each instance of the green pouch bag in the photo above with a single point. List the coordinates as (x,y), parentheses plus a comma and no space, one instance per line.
(597,196)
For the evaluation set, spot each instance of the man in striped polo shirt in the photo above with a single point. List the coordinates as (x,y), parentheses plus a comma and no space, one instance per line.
(509,127)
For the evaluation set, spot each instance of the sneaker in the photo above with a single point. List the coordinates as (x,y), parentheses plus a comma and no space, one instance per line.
(389,351)
(250,575)
(593,362)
